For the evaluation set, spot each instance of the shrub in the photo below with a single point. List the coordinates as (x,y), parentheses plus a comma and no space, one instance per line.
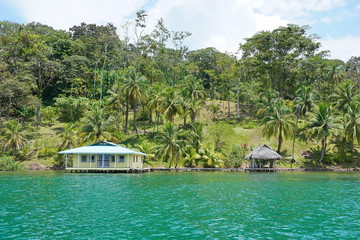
(9,164)
(71,109)
(236,157)
(46,152)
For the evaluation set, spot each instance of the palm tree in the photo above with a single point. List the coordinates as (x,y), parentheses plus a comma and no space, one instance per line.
(304,99)
(133,90)
(13,137)
(322,125)
(154,103)
(67,137)
(193,89)
(279,122)
(214,109)
(197,136)
(149,149)
(95,128)
(194,108)
(352,124)
(171,147)
(345,95)
(183,107)
(170,105)
(266,101)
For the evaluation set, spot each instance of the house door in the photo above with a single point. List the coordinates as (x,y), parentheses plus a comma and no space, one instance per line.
(104,161)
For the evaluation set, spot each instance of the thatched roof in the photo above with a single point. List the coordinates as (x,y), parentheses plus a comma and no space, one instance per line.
(263,152)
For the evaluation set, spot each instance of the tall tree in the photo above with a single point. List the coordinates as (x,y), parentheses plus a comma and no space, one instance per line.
(13,137)
(279,122)
(172,147)
(322,125)
(170,106)
(276,55)
(133,88)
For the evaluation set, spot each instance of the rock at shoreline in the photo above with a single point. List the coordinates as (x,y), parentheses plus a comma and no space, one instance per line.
(37,166)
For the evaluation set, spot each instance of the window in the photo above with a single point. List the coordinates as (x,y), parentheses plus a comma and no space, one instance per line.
(113,158)
(136,158)
(83,158)
(121,158)
(92,158)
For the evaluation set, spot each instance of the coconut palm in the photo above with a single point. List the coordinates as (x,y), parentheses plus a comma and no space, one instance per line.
(193,89)
(154,103)
(279,122)
(345,95)
(67,137)
(13,137)
(194,108)
(352,124)
(170,105)
(172,147)
(214,110)
(133,90)
(116,99)
(304,100)
(149,149)
(266,101)
(95,128)
(322,125)
(197,136)
(211,157)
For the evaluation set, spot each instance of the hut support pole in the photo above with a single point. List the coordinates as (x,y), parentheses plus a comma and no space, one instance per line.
(66,160)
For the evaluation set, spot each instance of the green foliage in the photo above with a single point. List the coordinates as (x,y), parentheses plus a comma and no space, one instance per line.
(280,76)
(49,114)
(7,163)
(13,138)
(236,156)
(47,152)
(71,109)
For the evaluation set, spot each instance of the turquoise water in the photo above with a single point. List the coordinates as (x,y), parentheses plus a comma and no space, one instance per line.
(48,205)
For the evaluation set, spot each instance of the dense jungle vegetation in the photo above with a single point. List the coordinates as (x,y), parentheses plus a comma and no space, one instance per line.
(146,90)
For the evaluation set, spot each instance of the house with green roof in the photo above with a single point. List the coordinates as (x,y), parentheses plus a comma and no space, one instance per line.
(103,155)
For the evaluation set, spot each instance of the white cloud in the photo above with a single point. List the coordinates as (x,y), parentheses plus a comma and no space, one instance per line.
(297,8)
(221,24)
(63,14)
(342,48)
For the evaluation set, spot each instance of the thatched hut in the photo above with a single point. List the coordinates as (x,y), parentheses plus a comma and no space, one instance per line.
(262,156)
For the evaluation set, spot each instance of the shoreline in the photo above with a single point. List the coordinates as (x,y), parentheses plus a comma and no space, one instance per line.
(183,169)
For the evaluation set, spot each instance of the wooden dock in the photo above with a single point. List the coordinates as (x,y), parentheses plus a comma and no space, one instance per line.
(146,170)
(261,169)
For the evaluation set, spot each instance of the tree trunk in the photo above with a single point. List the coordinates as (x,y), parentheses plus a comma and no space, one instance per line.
(229,114)
(323,149)
(38,113)
(193,118)
(238,103)
(135,123)
(280,140)
(293,144)
(126,117)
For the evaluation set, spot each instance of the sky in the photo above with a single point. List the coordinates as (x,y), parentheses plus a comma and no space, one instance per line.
(222,24)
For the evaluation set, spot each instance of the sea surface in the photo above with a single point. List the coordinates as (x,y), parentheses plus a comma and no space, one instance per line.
(285,205)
